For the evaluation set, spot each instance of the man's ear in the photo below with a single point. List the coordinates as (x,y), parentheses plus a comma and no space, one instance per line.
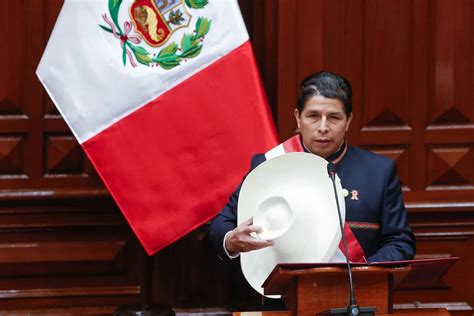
(297,117)
(349,120)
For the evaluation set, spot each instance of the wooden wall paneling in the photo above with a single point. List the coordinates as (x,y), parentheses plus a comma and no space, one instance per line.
(453,68)
(13,108)
(444,233)
(287,81)
(450,166)
(12,151)
(188,274)
(419,87)
(11,61)
(261,21)
(310,36)
(387,64)
(450,130)
(63,155)
(66,252)
(265,33)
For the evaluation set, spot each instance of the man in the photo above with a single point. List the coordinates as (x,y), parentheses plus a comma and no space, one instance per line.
(375,211)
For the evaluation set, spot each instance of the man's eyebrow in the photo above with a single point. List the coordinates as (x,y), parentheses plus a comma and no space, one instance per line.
(319,111)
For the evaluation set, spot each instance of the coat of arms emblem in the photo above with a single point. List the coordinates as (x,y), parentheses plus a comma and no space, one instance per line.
(153,22)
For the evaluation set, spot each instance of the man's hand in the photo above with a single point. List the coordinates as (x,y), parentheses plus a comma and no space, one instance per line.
(239,240)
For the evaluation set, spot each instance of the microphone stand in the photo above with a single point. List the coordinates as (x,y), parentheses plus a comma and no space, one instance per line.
(352,309)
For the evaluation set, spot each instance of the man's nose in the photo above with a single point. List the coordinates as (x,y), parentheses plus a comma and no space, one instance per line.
(323,126)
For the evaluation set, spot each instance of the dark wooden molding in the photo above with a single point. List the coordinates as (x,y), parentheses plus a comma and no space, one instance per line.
(450,306)
(64,311)
(54,194)
(437,207)
(65,292)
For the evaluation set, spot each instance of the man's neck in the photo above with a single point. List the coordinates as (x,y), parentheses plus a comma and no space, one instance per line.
(338,154)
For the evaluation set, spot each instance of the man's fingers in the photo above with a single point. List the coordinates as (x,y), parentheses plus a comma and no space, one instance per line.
(252,229)
(241,240)
(256,244)
(262,243)
(247,222)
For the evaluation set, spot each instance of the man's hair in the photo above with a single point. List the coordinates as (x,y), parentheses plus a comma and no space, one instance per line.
(328,85)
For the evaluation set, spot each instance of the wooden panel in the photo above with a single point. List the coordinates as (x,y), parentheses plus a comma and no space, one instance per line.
(98,310)
(451,167)
(15,252)
(63,156)
(11,58)
(12,149)
(73,251)
(387,64)
(287,28)
(188,274)
(450,129)
(453,77)
(439,234)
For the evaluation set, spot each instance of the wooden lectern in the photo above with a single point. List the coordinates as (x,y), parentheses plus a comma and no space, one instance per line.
(308,291)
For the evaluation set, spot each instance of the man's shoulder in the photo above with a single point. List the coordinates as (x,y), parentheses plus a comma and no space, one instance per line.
(257,159)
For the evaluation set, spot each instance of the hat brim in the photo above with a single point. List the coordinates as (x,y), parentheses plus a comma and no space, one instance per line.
(300,182)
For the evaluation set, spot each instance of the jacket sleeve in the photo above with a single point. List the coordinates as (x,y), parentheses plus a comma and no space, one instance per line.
(397,241)
(226,220)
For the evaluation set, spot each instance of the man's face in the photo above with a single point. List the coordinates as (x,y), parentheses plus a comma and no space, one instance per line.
(323,124)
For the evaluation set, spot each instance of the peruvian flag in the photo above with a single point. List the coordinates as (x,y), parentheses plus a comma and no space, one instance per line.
(166,100)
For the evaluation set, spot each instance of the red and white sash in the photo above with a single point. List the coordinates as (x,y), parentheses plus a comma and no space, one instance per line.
(356,253)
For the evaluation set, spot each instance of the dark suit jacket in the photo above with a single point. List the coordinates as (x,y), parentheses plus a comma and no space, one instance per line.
(374,207)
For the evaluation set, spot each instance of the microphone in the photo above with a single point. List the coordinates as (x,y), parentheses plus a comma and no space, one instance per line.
(352,309)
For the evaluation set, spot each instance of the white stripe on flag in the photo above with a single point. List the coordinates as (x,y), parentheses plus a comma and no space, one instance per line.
(99,90)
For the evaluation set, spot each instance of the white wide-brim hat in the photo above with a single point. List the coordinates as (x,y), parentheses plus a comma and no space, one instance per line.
(292,198)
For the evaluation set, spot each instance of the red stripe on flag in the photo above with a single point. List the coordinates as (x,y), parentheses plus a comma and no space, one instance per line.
(172,164)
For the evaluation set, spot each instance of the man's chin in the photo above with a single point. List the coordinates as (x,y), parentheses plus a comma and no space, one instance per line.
(320,153)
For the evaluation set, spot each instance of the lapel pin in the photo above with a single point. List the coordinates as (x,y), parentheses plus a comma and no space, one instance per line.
(345,192)
(355,195)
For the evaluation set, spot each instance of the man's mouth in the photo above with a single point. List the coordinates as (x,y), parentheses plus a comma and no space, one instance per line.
(323,140)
